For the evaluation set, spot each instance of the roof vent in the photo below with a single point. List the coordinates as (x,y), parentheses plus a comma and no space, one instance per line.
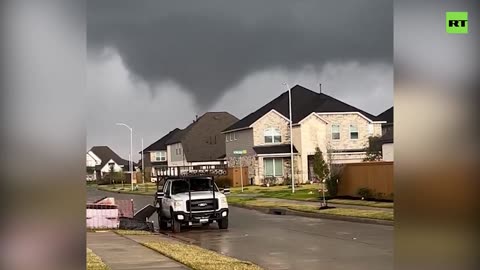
(320,88)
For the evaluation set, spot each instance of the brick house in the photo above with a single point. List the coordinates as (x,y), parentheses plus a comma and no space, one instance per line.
(319,120)
(199,144)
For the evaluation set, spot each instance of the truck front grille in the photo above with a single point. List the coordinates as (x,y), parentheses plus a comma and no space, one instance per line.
(203,205)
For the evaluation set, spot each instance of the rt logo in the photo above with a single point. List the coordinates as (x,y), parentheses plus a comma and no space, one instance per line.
(457,22)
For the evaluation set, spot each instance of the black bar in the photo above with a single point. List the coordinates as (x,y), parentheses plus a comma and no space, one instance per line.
(189,198)
(214,206)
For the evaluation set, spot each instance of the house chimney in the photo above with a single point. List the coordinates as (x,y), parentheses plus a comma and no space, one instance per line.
(320,88)
(196,117)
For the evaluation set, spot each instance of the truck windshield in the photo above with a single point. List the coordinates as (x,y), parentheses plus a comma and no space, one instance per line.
(197,184)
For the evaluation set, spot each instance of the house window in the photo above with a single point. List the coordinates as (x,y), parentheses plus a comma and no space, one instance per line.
(272,135)
(353,132)
(273,166)
(160,156)
(234,136)
(231,136)
(226,138)
(335,132)
(178,149)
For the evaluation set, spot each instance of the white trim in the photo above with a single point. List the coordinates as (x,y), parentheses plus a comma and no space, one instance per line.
(357,113)
(274,111)
(98,161)
(315,114)
(234,130)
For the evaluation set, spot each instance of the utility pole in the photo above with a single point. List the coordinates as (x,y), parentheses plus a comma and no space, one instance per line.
(291,133)
(131,148)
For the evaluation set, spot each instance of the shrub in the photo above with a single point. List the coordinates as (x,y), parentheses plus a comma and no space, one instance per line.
(380,196)
(223,181)
(365,193)
(331,184)
(270,180)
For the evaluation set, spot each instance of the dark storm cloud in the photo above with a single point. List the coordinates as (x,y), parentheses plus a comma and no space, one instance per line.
(209,46)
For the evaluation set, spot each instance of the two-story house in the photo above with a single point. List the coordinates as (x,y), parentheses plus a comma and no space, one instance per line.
(319,120)
(199,144)
(387,134)
(155,155)
(101,160)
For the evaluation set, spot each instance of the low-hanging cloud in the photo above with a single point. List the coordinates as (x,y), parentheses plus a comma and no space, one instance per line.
(207,47)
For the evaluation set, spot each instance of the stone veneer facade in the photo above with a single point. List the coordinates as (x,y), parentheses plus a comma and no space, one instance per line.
(313,131)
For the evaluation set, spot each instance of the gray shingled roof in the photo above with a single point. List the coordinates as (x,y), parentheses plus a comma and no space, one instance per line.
(161,144)
(202,140)
(304,102)
(386,115)
(105,154)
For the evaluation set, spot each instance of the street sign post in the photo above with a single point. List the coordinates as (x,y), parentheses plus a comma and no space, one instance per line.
(240,153)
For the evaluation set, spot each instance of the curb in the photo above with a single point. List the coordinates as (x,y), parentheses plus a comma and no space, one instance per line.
(319,215)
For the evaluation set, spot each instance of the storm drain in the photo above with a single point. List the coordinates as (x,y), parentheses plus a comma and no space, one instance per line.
(278,211)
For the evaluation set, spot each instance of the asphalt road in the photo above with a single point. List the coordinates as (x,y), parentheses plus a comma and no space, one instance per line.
(289,242)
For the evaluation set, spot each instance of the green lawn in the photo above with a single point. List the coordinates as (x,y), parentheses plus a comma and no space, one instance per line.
(94,262)
(198,258)
(373,214)
(143,189)
(305,192)
(363,203)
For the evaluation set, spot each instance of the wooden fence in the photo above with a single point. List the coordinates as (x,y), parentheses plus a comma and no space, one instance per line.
(376,176)
(235,176)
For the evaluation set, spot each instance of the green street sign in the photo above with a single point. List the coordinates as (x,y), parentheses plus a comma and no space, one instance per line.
(240,152)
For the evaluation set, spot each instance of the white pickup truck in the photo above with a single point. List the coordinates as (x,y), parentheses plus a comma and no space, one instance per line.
(191,200)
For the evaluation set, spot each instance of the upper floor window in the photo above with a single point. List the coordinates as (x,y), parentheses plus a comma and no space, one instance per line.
(335,132)
(178,149)
(353,132)
(160,156)
(272,135)
(231,137)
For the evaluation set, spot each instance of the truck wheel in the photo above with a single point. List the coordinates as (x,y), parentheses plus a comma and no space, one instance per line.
(176,225)
(223,223)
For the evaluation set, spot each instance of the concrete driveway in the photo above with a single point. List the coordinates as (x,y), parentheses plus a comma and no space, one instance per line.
(290,242)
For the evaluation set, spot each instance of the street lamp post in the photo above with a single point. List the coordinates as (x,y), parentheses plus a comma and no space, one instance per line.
(131,148)
(291,133)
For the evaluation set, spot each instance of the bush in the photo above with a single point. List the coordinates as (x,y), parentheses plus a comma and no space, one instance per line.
(365,193)
(270,180)
(331,184)
(223,181)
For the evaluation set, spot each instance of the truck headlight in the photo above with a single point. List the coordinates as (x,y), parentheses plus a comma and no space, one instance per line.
(177,204)
(224,201)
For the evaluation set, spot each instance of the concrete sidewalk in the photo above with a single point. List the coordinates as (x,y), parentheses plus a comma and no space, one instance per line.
(121,253)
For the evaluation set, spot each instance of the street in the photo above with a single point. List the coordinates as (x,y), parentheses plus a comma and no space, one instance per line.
(289,242)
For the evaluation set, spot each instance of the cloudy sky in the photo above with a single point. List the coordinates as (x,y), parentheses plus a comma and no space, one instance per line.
(156,64)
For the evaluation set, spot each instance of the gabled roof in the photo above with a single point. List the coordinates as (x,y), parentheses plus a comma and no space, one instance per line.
(304,102)
(106,154)
(386,115)
(202,140)
(161,143)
